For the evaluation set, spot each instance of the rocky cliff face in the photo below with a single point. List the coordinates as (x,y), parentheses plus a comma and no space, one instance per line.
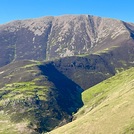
(54,37)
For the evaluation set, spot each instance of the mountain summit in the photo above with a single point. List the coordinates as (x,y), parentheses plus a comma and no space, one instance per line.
(54,37)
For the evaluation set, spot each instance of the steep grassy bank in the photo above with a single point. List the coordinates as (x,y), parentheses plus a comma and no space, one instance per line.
(108,108)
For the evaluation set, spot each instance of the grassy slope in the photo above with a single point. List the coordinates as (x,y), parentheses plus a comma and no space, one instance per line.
(108,108)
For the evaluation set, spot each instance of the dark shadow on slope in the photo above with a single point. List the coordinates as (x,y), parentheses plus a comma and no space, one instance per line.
(68,93)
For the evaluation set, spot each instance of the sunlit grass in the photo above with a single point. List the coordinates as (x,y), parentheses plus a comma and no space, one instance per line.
(108,108)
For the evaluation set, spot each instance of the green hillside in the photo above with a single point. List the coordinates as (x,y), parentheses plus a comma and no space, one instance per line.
(108,108)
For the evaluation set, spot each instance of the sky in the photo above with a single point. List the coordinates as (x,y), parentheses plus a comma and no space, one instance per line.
(24,9)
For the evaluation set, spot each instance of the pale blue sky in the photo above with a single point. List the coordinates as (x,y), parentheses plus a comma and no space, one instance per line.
(23,9)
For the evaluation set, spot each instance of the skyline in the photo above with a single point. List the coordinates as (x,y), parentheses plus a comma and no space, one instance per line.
(26,9)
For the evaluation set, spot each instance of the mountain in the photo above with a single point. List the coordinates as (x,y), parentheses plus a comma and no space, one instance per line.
(108,108)
(46,64)
(48,38)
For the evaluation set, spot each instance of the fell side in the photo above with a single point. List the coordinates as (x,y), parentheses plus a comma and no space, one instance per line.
(108,108)
(35,98)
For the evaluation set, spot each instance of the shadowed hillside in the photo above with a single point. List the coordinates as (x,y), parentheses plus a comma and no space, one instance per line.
(36,98)
(88,70)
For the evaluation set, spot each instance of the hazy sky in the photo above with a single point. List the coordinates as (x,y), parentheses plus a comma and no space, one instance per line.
(23,9)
